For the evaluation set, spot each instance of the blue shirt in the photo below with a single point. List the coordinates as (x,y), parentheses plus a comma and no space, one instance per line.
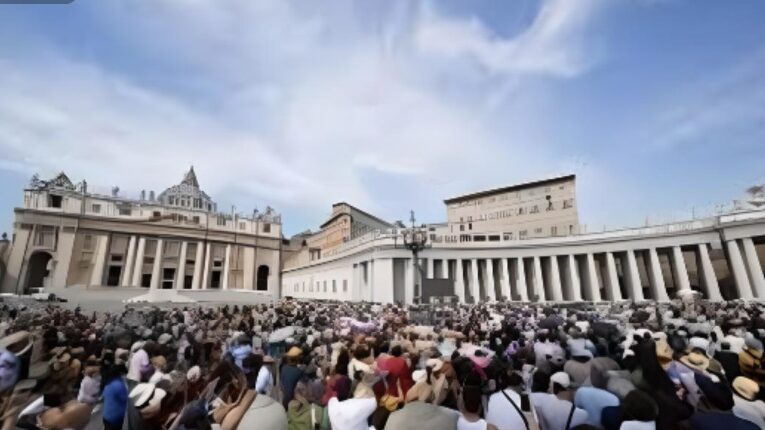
(593,400)
(115,401)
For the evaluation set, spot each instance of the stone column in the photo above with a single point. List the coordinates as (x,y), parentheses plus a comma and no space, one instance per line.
(475,288)
(739,270)
(444,269)
(248,268)
(573,279)
(593,285)
(555,286)
(198,266)
(156,270)
(180,279)
(754,268)
(97,275)
(708,277)
(681,273)
(520,280)
(409,281)
(656,277)
(612,281)
(633,277)
(539,284)
(138,267)
(430,273)
(459,282)
(226,267)
(505,279)
(206,274)
(129,263)
(490,292)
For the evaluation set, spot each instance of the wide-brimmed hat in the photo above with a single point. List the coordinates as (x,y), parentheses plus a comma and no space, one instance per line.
(164,338)
(16,342)
(746,388)
(663,352)
(39,371)
(695,360)
(435,364)
(294,352)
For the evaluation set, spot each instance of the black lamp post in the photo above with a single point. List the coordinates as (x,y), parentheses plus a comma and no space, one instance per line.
(415,239)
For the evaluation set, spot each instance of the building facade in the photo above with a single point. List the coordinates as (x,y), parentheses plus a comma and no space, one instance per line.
(719,256)
(535,209)
(66,237)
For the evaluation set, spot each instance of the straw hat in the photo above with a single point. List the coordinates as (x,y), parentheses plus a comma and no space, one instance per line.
(746,388)
(696,360)
(294,352)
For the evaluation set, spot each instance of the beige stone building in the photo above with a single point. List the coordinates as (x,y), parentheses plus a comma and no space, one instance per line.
(344,224)
(67,237)
(534,209)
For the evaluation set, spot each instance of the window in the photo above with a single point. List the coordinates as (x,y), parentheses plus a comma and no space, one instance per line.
(508,236)
(554,230)
(521,211)
(470,218)
(494,238)
(87,242)
(95,208)
(267,228)
(54,201)
(242,225)
(221,221)
(570,229)
(522,234)
(325,286)
(195,219)
(345,285)
(126,211)
(535,209)
(479,238)
(538,230)
(116,258)
(568,203)
(334,286)
(156,214)
(462,227)
(470,226)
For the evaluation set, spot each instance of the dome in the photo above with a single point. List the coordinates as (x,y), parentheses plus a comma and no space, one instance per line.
(187,194)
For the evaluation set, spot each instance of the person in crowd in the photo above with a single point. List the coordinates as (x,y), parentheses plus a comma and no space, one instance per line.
(115,398)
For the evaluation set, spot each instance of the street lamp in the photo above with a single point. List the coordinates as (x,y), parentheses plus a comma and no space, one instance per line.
(414,240)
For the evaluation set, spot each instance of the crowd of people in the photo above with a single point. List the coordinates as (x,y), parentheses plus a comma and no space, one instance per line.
(688,364)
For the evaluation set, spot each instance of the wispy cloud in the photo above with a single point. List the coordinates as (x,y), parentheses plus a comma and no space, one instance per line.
(281,105)
(552,45)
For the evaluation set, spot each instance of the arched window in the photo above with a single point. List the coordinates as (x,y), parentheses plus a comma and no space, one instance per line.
(262,283)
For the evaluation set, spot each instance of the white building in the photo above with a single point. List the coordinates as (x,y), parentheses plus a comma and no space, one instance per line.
(719,256)
(67,238)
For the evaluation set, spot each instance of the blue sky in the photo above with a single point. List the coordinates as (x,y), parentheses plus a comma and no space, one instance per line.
(657,105)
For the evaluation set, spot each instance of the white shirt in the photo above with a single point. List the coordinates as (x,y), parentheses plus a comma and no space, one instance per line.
(263,381)
(752,411)
(552,412)
(351,414)
(463,424)
(502,414)
(139,360)
(90,388)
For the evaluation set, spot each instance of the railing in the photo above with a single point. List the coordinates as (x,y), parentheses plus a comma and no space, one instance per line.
(437,240)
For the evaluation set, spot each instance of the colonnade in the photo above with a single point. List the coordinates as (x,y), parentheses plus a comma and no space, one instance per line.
(204,264)
(597,276)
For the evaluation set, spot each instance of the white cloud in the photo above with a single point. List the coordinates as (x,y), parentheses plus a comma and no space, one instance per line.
(553,45)
(280,105)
